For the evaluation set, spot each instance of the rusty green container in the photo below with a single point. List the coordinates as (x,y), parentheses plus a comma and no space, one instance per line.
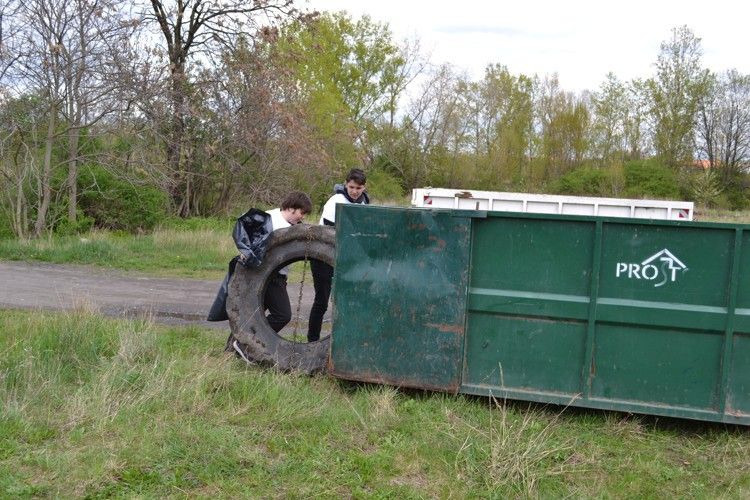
(621,314)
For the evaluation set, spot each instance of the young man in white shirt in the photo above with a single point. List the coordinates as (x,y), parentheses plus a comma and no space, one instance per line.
(293,210)
(352,191)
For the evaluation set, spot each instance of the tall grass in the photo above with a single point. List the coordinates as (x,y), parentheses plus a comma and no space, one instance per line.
(93,407)
(168,251)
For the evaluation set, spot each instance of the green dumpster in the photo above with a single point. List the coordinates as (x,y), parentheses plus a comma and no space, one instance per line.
(632,315)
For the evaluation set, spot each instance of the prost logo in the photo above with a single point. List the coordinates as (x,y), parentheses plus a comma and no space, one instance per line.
(662,267)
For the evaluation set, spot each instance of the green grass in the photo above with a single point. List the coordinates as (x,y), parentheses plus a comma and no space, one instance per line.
(714,215)
(95,407)
(200,249)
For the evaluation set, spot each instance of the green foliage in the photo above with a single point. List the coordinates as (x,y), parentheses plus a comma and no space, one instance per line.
(650,179)
(118,204)
(82,224)
(737,198)
(6,226)
(704,188)
(586,182)
(349,74)
(383,187)
(675,91)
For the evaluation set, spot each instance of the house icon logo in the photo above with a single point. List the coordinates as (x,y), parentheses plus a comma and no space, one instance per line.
(661,268)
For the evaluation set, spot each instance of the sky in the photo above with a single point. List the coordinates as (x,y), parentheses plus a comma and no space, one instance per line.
(580,40)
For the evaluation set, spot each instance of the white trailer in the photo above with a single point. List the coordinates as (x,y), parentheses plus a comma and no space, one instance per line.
(551,204)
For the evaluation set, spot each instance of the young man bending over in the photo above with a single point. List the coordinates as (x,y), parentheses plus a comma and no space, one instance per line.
(292,211)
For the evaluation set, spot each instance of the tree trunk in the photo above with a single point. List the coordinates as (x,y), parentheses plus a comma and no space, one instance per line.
(74,135)
(41,216)
(176,138)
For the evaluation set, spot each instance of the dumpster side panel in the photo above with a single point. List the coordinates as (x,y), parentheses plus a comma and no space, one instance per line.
(637,316)
(739,378)
(739,382)
(529,298)
(525,354)
(660,366)
(400,296)
(662,314)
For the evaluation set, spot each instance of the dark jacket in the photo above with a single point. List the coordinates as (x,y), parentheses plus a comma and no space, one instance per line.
(251,234)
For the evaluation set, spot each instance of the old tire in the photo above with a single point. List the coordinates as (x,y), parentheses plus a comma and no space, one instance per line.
(245,301)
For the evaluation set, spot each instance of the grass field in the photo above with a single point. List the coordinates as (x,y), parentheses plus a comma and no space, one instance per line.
(200,248)
(93,407)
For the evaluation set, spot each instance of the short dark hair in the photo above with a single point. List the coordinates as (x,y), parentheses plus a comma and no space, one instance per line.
(357,175)
(297,200)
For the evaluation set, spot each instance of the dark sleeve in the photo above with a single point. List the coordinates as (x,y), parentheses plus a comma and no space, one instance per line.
(251,234)
(326,222)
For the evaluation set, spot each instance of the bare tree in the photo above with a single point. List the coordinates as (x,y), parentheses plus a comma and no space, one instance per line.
(188,28)
(723,124)
(64,54)
(40,68)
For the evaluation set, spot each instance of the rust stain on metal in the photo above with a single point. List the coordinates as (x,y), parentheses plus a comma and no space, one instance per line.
(440,243)
(446,328)
(419,227)
(464,194)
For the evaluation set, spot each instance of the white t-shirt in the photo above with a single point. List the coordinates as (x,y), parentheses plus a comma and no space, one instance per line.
(279,222)
(329,209)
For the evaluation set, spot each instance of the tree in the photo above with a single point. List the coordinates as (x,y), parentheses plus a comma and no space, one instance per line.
(64,54)
(501,117)
(674,92)
(634,121)
(563,122)
(258,131)
(433,132)
(190,27)
(723,125)
(99,35)
(350,73)
(609,114)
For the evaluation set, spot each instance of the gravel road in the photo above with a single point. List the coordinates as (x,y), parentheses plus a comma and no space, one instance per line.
(25,285)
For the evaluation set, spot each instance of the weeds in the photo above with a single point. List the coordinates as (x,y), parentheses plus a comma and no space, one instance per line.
(97,407)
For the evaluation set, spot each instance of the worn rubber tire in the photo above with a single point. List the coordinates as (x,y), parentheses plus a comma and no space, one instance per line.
(245,308)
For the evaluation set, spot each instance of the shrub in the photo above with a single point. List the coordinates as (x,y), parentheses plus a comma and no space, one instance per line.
(82,224)
(585,182)
(118,204)
(6,226)
(382,186)
(650,179)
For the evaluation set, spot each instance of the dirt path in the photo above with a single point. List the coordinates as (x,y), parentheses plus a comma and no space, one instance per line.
(25,285)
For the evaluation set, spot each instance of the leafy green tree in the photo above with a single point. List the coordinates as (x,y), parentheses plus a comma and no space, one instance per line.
(350,73)
(608,124)
(675,91)
(563,123)
(501,123)
(634,121)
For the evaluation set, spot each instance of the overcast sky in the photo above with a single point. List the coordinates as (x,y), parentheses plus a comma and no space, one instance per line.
(581,40)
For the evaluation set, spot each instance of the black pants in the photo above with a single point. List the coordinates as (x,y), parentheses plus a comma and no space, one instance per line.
(322,280)
(276,301)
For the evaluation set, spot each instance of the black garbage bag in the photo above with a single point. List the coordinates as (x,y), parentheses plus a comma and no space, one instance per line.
(251,234)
